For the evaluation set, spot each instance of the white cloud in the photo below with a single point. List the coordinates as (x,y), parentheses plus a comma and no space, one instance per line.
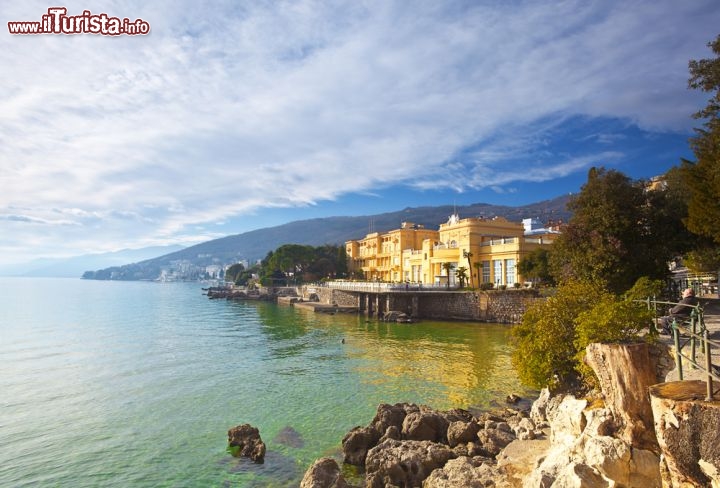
(227,108)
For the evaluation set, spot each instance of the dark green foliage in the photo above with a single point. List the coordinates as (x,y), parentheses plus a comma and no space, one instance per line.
(615,235)
(234,271)
(295,263)
(702,178)
(535,266)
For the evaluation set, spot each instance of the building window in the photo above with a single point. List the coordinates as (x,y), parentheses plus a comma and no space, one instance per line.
(497,271)
(486,271)
(510,271)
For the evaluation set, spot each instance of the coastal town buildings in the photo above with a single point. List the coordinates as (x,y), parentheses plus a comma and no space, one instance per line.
(488,249)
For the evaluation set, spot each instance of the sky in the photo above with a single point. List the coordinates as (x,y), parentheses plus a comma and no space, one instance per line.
(232,116)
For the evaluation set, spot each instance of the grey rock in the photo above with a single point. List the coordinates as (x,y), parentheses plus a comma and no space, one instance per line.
(461,432)
(404,463)
(357,443)
(324,473)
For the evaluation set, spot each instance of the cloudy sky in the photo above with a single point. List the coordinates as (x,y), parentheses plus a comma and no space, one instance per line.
(231,116)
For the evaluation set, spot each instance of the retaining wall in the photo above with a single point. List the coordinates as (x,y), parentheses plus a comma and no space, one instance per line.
(503,306)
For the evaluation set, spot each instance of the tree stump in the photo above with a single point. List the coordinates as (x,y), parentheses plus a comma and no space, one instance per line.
(688,432)
(625,372)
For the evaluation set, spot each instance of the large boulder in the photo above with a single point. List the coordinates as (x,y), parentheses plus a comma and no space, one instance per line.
(494,440)
(404,463)
(391,416)
(324,473)
(357,443)
(245,441)
(465,472)
(425,425)
(462,432)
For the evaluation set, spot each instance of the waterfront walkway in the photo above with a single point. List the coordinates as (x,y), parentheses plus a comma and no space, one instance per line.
(711,316)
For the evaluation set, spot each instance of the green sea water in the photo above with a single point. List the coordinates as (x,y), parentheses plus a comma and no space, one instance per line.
(136,384)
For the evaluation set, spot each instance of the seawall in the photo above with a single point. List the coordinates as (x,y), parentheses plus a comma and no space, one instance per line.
(501,306)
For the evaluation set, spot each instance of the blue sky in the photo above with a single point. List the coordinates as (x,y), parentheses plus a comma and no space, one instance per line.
(231,116)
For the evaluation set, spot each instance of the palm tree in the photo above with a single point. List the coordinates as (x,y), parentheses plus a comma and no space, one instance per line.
(462,275)
(477,265)
(448,267)
(468,255)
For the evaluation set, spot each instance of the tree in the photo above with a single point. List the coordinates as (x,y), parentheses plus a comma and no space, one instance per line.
(462,275)
(703,176)
(234,271)
(448,267)
(467,255)
(534,266)
(614,235)
(478,266)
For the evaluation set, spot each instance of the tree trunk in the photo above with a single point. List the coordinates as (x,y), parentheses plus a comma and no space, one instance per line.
(625,372)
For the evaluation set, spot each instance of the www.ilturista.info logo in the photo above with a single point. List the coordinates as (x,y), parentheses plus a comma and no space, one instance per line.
(56,21)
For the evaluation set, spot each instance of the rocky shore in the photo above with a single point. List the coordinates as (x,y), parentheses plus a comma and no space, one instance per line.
(614,438)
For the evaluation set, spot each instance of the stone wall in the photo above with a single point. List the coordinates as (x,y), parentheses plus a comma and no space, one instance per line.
(508,306)
(503,306)
(329,296)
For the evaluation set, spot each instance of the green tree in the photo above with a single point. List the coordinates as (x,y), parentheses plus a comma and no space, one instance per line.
(478,266)
(462,275)
(534,266)
(448,267)
(234,271)
(703,176)
(613,236)
(467,255)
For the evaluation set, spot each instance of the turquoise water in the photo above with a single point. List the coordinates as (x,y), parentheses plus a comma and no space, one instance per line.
(136,384)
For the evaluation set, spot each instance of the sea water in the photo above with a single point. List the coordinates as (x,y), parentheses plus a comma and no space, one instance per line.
(136,384)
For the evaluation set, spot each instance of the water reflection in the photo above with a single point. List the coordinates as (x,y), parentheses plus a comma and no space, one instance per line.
(450,364)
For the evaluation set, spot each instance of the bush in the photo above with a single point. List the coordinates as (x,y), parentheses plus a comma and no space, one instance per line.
(517,285)
(486,286)
(553,335)
(545,348)
(610,320)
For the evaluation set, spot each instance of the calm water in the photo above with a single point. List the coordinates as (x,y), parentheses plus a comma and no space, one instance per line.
(136,384)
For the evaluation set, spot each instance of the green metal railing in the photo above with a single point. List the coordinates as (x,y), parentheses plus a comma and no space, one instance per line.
(691,331)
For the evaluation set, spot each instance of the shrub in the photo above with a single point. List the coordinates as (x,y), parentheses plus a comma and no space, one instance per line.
(516,285)
(486,286)
(553,335)
(545,346)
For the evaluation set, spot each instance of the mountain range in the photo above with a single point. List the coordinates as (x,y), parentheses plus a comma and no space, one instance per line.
(255,244)
(73,267)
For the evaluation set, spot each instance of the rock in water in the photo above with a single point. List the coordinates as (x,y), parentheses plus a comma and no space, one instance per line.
(245,441)
(289,437)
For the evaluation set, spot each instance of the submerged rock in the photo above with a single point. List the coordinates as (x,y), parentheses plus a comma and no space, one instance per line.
(289,437)
(245,441)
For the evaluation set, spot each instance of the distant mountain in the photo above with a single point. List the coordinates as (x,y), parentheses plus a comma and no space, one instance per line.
(255,244)
(74,267)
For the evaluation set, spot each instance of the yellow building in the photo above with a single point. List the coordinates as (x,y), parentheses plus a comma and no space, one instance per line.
(488,249)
